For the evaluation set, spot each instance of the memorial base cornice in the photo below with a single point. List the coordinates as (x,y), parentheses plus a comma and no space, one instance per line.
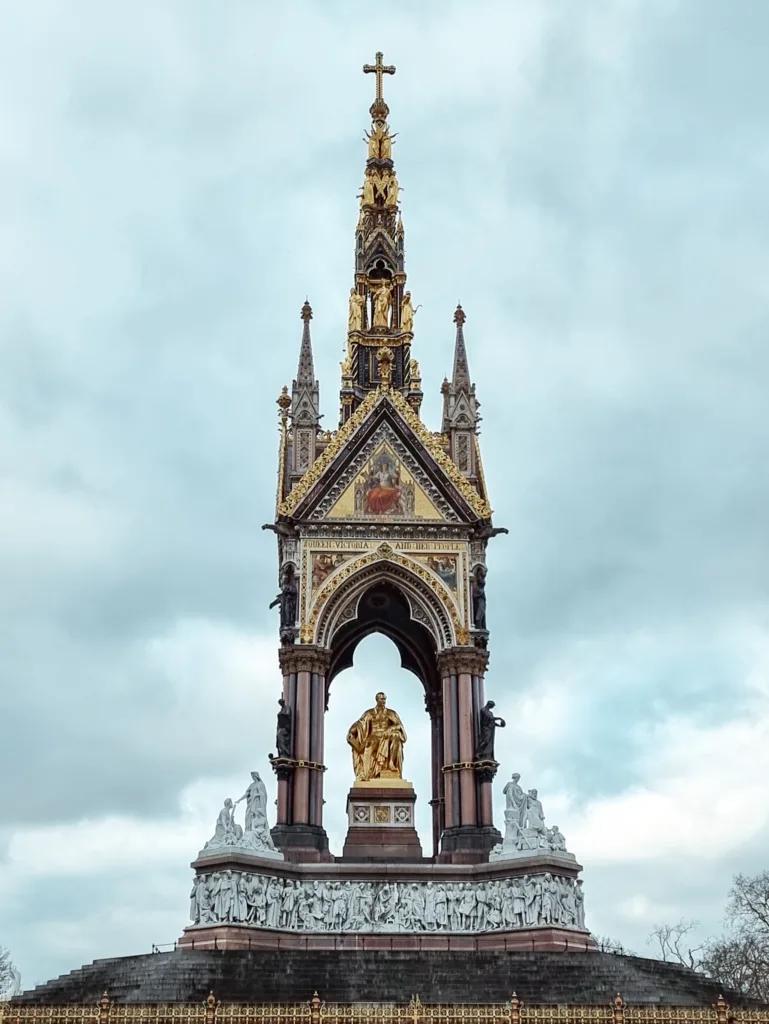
(537,939)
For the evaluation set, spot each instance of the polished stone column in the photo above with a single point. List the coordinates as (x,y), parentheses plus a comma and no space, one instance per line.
(469,827)
(299,831)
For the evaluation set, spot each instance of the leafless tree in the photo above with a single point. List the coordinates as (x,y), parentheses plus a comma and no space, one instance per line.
(673,945)
(9,976)
(740,958)
(606,944)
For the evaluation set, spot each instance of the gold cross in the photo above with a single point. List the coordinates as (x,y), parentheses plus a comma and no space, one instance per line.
(379,69)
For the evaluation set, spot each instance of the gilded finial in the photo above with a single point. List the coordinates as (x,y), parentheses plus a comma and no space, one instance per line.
(379,109)
(306,313)
(459,315)
(284,404)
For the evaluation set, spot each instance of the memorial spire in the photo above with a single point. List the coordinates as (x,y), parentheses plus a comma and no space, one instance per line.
(460,406)
(305,404)
(381,310)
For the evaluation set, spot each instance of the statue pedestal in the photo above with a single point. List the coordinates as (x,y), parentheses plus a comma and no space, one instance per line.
(380,817)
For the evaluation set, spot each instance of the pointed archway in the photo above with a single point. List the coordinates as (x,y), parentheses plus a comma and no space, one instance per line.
(389,593)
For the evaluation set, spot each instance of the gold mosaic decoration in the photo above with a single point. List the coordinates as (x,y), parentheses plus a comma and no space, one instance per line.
(383,553)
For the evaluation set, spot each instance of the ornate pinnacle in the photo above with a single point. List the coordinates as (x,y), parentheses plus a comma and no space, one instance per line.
(459,315)
(306,313)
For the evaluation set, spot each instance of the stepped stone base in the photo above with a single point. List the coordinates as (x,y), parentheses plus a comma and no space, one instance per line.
(229,937)
(291,976)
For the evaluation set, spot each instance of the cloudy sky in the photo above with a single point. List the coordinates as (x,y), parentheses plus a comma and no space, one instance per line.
(175,176)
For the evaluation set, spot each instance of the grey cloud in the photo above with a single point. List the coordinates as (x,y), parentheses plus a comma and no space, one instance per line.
(176,179)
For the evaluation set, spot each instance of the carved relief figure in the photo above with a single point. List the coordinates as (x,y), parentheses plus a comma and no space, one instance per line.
(355,317)
(256,803)
(227,832)
(382,302)
(377,740)
(535,815)
(515,801)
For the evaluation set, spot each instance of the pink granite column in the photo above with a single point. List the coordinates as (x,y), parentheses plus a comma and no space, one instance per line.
(449,778)
(468,813)
(301,809)
(485,778)
(284,778)
(316,747)
(435,710)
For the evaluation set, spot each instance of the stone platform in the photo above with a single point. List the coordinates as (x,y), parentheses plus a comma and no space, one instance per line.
(291,976)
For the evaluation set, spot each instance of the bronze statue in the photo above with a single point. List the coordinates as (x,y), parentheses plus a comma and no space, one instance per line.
(377,740)
(283,732)
(286,599)
(488,724)
(478,590)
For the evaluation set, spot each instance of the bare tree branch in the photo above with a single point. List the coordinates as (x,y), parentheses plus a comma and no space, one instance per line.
(672,944)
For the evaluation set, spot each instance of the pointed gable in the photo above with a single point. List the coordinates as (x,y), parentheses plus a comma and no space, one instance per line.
(385,425)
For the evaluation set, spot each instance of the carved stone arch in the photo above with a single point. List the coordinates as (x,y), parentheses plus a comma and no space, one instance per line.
(427,610)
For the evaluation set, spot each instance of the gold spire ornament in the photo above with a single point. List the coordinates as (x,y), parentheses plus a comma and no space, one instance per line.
(357,305)
(377,740)
(384,358)
(382,303)
(407,314)
(379,69)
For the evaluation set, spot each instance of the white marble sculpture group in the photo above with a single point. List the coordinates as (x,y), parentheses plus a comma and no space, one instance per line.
(525,831)
(265,901)
(255,837)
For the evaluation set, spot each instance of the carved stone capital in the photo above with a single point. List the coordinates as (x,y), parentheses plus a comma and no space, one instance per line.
(456,660)
(304,658)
